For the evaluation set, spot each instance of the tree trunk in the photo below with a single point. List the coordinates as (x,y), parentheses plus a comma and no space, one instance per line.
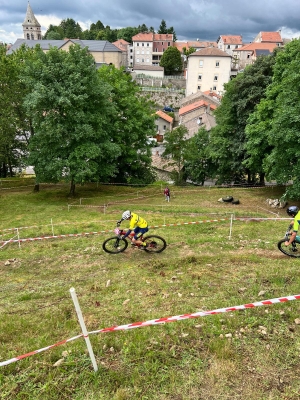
(72,188)
(262,178)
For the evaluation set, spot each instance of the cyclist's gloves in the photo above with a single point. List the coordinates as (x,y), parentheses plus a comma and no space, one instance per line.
(119,222)
(127,234)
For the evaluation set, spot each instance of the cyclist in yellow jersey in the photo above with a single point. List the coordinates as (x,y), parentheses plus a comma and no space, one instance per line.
(137,224)
(294,212)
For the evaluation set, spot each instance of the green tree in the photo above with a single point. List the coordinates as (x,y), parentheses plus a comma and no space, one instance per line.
(228,139)
(127,33)
(132,122)
(172,32)
(142,28)
(15,124)
(186,53)
(171,61)
(197,162)
(275,125)
(107,34)
(70,109)
(162,27)
(71,29)
(175,148)
(54,33)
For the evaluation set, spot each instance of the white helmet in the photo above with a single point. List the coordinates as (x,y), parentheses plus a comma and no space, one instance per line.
(126,214)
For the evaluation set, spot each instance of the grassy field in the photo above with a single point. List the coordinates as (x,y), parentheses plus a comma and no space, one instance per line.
(251,354)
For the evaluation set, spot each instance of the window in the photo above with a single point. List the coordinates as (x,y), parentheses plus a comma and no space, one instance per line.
(130,57)
(200,63)
(147,44)
(199,77)
(165,127)
(169,44)
(138,52)
(32,37)
(143,44)
(217,63)
(137,44)
(148,52)
(198,87)
(199,120)
(143,52)
(228,46)
(236,46)
(248,55)
(214,87)
(137,60)
(147,60)
(215,77)
(28,36)
(143,60)
(130,50)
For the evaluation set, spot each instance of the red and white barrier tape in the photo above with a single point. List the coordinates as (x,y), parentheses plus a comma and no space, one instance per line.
(38,351)
(106,231)
(160,321)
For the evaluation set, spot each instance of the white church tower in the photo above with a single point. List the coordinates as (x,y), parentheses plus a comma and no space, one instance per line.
(31,27)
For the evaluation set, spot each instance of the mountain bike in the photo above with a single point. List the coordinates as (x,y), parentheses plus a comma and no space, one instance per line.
(118,244)
(293,250)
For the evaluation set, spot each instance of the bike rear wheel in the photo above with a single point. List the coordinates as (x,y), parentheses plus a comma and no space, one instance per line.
(155,244)
(293,250)
(114,245)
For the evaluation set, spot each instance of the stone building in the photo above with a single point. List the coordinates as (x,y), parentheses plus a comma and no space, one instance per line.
(31,26)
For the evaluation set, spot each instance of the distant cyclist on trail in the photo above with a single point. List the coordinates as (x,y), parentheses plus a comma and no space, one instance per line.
(137,224)
(293,211)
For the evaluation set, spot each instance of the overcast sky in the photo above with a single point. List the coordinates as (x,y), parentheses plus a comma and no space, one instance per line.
(191,19)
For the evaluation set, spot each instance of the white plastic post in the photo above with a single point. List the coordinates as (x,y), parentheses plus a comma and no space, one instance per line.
(18,234)
(52,227)
(230,229)
(83,328)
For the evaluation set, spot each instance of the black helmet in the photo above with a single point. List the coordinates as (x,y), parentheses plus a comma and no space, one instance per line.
(292,210)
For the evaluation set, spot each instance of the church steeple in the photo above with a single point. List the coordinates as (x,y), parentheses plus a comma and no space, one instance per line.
(31,26)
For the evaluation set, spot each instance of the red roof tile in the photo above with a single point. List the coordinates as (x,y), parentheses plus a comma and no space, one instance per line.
(271,37)
(194,106)
(257,46)
(210,51)
(162,36)
(143,37)
(232,39)
(164,116)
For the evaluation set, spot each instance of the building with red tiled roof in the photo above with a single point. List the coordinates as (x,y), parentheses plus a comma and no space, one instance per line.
(149,47)
(197,115)
(163,123)
(269,37)
(228,43)
(124,46)
(196,44)
(247,54)
(208,69)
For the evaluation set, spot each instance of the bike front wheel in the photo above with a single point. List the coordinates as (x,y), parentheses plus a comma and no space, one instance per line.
(292,250)
(155,244)
(114,245)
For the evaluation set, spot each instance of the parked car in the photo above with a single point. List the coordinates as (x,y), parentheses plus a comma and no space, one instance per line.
(168,109)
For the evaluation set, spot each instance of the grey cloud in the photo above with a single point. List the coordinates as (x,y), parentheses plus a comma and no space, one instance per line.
(203,19)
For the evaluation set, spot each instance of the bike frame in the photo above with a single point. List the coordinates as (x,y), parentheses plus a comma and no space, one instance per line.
(120,232)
